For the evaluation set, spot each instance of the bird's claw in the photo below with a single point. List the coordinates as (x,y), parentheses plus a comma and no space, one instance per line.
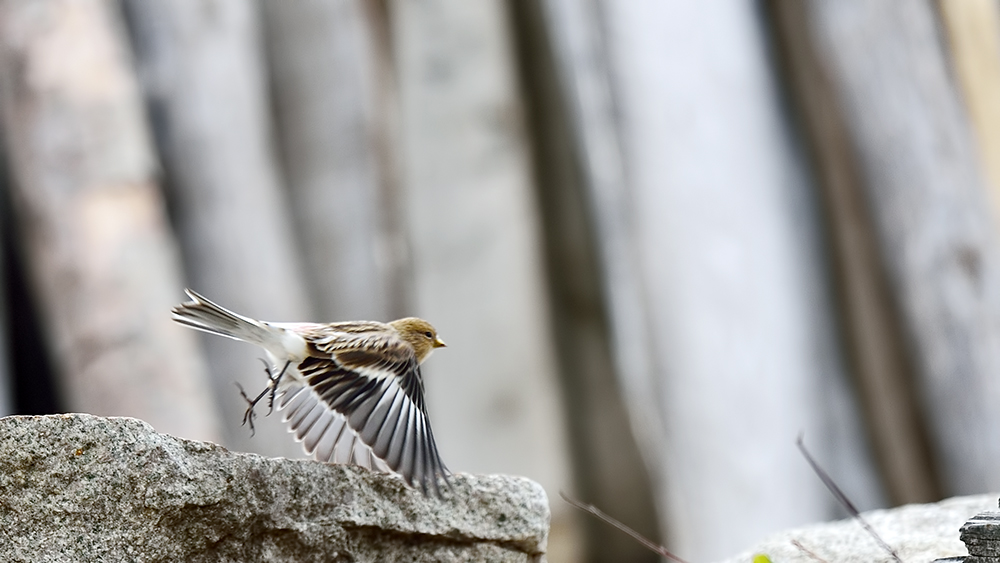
(249,415)
(272,383)
(271,390)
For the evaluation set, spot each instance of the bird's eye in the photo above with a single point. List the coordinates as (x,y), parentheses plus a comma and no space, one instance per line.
(428,334)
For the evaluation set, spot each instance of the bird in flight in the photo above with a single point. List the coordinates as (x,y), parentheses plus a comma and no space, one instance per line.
(351,392)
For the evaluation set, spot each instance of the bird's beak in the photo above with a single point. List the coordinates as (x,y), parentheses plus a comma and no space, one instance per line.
(438,343)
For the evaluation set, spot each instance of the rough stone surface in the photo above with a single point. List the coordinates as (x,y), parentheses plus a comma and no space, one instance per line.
(85,488)
(981,535)
(918,532)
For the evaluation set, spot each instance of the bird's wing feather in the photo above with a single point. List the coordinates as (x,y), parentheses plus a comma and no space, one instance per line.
(365,388)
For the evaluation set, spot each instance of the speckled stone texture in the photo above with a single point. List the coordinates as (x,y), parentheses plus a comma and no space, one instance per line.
(84,488)
(918,532)
(981,535)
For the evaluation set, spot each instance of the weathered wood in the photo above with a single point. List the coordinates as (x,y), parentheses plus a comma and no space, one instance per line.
(870,321)
(202,67)
(973,31)
(582,70)
(466,178)
(609,469)
(916,161)
(325,75)
(32,367)
(90,216)
(7,373)
(713,265)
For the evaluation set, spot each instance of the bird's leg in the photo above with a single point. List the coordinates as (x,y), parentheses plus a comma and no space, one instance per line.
(270,390)
(272,384)
(249,414)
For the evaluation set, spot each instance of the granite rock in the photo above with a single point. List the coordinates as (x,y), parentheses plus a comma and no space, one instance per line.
(85,488)
(918,532)
(981,535)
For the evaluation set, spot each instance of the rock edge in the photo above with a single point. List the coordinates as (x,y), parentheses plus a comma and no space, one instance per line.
(85,488)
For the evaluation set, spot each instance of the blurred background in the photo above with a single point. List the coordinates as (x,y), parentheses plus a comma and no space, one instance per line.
(661,238)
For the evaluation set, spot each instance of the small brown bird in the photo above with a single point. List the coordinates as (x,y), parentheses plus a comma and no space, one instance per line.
(351,392)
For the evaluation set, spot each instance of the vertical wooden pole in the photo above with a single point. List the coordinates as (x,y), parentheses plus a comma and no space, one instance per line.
(103,262)
(871,326)
(204,74)
(609,467)
(327,80)
(477,255)
(973,31)
(712,258)
(914,153)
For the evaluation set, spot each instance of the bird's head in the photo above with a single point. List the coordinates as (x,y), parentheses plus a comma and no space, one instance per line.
(420,334)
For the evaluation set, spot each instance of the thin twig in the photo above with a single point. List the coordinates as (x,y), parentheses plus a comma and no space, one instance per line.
(655,548)
(803,549)
(842,498)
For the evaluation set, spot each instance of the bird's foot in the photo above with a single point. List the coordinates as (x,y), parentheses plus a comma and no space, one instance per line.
(270,391)
(272,383)
(249,415)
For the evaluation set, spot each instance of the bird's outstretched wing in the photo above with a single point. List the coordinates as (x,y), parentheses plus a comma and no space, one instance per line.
(363,402)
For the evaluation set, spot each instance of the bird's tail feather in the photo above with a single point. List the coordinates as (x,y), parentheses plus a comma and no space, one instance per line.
(202,314)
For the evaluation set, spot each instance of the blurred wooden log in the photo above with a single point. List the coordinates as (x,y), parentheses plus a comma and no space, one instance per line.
(916,160)
(582,70)
(609,468)
(872,328)
(477,254)
(31,365)
(712,258)
(973,31)
(7,389)
(91,218)
(202,67)
(326,79)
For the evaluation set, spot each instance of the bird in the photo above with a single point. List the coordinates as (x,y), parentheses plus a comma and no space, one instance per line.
(351,392)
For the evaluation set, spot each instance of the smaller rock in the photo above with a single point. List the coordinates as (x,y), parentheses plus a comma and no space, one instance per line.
(981,535)
(918,533)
